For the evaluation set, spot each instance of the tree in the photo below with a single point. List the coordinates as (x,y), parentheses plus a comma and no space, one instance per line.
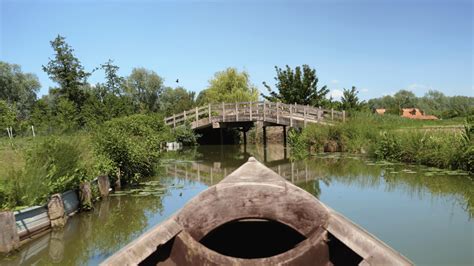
(229,86)
(7,115)
(297,86)
(176,100)
(17,88)
(113,82)
(349,100)
(67,71)
(405,99)
(145,87)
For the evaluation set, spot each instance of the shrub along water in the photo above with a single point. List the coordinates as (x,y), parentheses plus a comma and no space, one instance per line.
(131,145)
(392,138)
(48,165)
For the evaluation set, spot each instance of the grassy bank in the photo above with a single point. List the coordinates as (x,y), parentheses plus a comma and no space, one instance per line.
(126,149)
(445,144)
(34,168)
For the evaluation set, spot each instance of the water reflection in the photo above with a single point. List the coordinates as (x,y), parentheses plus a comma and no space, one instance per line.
(210,164)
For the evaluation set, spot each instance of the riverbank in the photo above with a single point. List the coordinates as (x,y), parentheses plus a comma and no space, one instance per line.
(125,149)
(440,144)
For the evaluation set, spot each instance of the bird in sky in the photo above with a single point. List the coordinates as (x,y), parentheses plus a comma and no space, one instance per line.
(177,80)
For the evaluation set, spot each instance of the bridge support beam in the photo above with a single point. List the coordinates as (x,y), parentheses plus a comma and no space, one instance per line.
(264,136)
(284,136)
(221,136)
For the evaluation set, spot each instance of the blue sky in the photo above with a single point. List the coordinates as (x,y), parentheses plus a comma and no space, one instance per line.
(379,46)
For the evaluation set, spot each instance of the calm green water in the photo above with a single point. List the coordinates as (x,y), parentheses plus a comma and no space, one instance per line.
(424,213)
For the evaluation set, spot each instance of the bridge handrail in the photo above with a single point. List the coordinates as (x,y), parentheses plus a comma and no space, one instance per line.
(249,111)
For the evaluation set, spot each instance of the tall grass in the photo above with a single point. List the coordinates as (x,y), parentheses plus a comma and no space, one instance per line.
(42,166)
(393,138)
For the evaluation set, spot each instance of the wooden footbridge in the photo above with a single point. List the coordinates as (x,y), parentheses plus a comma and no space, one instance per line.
(241,114)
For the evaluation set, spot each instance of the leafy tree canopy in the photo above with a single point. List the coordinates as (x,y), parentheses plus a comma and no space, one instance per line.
(18,88)
(229,86)
(297,86)
(350,100)
(66,69)
(145,87)
(176,100)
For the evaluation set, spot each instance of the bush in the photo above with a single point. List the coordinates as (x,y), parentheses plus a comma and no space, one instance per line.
(185,135)
(131,144)
(52,165)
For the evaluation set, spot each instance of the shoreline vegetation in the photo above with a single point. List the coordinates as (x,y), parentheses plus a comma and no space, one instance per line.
(442,144)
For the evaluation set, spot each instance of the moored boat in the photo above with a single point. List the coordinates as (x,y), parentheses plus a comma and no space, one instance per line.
(256,217)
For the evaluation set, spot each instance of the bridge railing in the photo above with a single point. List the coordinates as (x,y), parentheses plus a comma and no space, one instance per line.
(293,115)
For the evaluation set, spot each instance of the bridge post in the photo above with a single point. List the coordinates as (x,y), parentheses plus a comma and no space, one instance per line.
(223,112)
(332,114)
(174,120)
(284,136)
(291,116)
(209,112)
(319,113)
(278,112)
(250,106)
(185,116)
(236,113)
(264,137)
(343,116)
(305,113)
(264,110)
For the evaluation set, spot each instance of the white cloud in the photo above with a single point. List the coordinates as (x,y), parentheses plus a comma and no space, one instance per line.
(364,90)
(334,81)
(335,94)
(417,86)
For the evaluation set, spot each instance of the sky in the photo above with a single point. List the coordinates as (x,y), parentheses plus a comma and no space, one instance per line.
(379,46)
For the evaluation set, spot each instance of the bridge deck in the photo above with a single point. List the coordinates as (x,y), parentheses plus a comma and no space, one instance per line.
(277,113)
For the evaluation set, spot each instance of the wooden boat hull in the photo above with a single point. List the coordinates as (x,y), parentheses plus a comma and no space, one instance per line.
(255,217)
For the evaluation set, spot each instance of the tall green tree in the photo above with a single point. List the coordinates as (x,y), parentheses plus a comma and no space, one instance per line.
(405,99)
(297,86)
(18,89)
(176,100)
(350,100)
(66,70)
(229,86)
(145,87)
(114,83)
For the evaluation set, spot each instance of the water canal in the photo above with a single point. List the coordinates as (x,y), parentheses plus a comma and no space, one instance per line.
(425,213)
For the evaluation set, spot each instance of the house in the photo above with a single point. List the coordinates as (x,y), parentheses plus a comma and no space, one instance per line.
(380,111)
(415,113)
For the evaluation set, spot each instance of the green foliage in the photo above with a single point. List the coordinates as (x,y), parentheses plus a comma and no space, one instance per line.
(114,83)
(56,161)
(17,88)
(7,116)
(433,103)
(229,86)
(185,135)
(52,165)
(299,86)
(132,143)
(350,101)
(393,138)
(67,71)
(145,88)
(176,100)
(66,118)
